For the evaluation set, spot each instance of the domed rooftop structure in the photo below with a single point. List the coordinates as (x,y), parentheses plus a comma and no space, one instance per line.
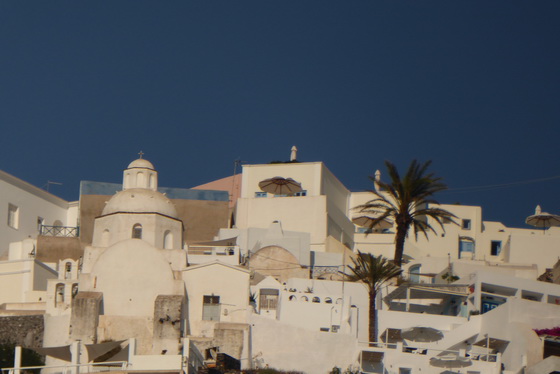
(139,200)
(140,173)
(141,163)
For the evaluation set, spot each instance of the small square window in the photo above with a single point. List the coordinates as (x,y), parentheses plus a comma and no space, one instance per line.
(301,193)
(466,224)
(13,216)
(495,247)
(260,194)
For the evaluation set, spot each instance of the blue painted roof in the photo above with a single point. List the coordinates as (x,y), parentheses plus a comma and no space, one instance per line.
(104,188)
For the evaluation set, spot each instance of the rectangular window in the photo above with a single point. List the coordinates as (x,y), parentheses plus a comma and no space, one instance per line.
(466,224)
(495,247)
(301,193)
(13,216)
(268,299)
(466,249)
(211,308)
(260,194)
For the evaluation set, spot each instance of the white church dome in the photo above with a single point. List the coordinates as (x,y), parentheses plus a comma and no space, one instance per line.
(140,200)
(141,163)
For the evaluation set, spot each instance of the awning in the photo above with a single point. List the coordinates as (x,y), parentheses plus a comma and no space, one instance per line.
(121,356)
(217,243)
(368,356)
(391,336)
(61,353)
(97,350)
(493,343)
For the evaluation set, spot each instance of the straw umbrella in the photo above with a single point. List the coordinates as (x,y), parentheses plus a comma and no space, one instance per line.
(543,219)
(280,186)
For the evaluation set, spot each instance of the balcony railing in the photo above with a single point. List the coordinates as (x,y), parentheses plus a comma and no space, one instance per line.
(60,231)
(213,251)
(318,271)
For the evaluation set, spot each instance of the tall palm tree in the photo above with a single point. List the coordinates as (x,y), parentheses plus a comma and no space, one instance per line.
(373,271)
(407,201)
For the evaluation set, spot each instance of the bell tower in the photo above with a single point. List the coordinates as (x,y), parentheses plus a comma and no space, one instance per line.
(140,173)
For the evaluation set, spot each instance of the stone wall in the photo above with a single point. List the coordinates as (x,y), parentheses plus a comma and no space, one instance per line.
(202,219)
(85,316)
(54,248)
(168,310)
(26,331)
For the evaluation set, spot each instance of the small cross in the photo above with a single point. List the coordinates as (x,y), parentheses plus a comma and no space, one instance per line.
(141,154)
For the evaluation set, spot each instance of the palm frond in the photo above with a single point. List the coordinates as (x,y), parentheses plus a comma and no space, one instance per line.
(406,200)
(372,270)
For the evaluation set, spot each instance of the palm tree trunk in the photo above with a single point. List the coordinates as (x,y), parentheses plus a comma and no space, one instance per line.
(399,244)
(372,318)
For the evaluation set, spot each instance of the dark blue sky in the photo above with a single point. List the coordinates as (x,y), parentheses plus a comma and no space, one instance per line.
(472,85)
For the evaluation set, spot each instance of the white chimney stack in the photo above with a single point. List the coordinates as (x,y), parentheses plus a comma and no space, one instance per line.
(293,155)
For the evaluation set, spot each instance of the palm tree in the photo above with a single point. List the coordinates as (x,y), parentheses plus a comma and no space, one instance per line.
(373,271)
(407,201)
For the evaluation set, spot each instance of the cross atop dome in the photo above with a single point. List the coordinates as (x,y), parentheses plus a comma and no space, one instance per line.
(141,154)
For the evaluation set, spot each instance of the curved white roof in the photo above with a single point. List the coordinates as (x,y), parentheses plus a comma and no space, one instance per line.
(141,163)
(140,200)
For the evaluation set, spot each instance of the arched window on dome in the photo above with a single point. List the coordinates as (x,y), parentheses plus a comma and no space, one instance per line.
(168,240)
(137,231)
(152,181)
(140,180)
(105,238)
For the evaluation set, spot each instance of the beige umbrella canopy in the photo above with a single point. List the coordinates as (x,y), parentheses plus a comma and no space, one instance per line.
(422,334)
(280,186)
(543,219)
(450,361)
(365,221)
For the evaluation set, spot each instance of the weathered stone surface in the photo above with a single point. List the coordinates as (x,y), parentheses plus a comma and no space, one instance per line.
(26,331)
(54,248)
(85,316)
(167,323)
(230,341)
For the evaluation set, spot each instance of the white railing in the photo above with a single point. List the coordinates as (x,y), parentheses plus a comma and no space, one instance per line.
(92,367)
(198,254)
(431,352)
